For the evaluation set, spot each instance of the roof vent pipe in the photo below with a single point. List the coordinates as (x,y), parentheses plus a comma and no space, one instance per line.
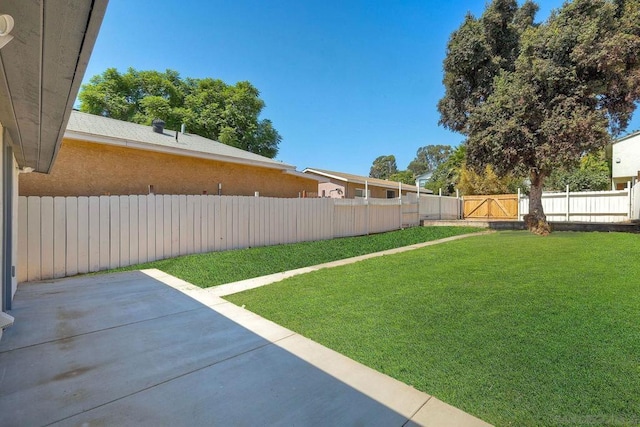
(158,126)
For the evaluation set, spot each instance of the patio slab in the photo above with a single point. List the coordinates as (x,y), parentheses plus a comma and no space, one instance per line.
(146,348)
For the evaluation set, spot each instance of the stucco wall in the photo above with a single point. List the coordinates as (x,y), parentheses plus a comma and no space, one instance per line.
(9,220)
(626,158)
(331,189)
(90,169)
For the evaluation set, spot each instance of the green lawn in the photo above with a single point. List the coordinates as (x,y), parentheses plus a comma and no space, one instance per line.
(514,328)
(216,268)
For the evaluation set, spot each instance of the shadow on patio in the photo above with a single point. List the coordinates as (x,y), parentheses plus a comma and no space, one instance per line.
(129,349)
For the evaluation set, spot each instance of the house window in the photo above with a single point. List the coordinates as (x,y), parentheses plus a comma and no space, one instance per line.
(391,194)
(359,192)
(324,193)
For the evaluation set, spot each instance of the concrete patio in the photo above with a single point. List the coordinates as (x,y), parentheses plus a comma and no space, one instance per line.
(145,348)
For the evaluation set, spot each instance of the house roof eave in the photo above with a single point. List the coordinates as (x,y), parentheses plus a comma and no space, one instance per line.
(330,176)
(305,175)
(626,137)
(100,139)
(357,180)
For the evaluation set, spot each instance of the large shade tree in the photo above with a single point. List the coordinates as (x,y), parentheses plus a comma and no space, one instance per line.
(406,177)
(534,97)
(428,158)
(383,167)
(208,107)
(446,176)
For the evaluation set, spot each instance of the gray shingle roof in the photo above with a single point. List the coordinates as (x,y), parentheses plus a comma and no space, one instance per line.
(102,129)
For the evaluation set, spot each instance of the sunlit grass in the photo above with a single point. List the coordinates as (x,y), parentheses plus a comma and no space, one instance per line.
(216,268)
(514,328)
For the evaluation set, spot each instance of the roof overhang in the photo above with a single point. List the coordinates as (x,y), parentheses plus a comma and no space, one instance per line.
(325,174)
(362,181)
(306,176)
(626,137)
(41,70)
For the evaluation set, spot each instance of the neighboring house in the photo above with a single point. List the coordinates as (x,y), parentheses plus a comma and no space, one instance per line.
(625,161)
(104,156)
(42,61)
(348,186)
(421,180)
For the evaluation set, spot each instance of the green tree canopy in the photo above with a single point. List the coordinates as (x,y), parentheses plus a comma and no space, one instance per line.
(592,174)
(208,107)
(428,158)
(535,97)
(383,167)
(488,182)
(406,177)
(446,176)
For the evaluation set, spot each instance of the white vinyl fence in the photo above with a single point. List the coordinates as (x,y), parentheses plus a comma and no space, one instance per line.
(440,207)
(65,236)
(635,202)
(587,206)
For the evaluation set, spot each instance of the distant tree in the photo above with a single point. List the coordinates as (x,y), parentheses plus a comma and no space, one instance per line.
(227,113)
(405,177)
(383,167)
(488,182)
(592,174)
(446,176)
(428,158)
(532,98)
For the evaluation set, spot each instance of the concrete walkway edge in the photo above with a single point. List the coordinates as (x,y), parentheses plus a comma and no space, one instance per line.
(419,408)
(256,282)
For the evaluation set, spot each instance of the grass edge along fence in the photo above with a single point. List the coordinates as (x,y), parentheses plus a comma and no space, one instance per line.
(217,268)
(65,236)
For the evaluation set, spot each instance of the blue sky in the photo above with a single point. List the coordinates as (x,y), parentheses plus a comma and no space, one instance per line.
(344,81)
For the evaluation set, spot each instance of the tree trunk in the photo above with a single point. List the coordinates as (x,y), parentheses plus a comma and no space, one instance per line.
(536,220)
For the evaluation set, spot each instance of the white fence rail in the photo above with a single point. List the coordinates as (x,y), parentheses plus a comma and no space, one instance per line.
(587,206)
(64,236)
(635,202)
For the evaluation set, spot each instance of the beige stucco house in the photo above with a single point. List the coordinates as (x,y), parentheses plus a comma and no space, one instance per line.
(625,161)
(44,51)
(349,186)
(104,156)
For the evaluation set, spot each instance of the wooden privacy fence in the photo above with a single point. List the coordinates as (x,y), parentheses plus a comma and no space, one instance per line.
(503,206)
(587,206)
(64,236)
